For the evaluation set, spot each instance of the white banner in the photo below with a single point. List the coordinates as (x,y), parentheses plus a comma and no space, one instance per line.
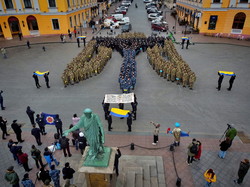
(119,98)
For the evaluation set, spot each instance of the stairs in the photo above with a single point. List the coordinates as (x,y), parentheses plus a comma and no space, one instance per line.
(141,171)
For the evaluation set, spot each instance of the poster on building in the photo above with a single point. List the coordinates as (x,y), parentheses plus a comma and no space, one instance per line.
(119,98)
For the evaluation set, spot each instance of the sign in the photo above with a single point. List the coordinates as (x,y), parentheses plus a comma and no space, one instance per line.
(119,98)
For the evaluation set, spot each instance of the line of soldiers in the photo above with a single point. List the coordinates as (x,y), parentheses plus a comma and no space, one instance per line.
(86,64)
(175,68)
(128,72)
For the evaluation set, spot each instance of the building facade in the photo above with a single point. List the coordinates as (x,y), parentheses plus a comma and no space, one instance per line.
(44,17)
(216,17)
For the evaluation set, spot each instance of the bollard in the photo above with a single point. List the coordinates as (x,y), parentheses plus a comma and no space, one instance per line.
(132,146)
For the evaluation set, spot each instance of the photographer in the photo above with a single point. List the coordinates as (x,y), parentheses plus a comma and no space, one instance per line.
(231,133)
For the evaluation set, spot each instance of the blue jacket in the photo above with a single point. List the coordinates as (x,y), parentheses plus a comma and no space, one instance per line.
(27,183)
(54,174)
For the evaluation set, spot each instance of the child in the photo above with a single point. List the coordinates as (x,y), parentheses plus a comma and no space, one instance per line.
(156,132)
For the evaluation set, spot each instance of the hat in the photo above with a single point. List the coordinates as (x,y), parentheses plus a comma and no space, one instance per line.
(177,124)
(87,110)
(14,121)
(10,168)
(158,125)
(81,134)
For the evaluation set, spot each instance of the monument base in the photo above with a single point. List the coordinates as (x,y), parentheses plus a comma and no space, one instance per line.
(100,161)
(100,176)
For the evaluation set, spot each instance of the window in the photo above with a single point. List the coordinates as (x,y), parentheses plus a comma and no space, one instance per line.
(8,4)
(216,1)
(79,19)
(243,1)
(55,24)
(212,22)
(27,4)
(70,22)
(239,20)
(52,3)
(68,1)
(75,20)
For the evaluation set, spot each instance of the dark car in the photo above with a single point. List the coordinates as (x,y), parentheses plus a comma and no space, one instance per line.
(126,27)
(159,27)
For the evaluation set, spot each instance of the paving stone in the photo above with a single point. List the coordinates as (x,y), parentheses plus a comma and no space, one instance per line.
(153,171)
(130,179)
(159,162)
(146,172)
(154,181)
(161,179)
(139,180)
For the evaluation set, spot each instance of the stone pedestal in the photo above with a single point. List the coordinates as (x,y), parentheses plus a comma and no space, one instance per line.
(99,176)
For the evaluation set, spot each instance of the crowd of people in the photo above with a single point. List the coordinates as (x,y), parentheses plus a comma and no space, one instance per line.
(89,62)
(173,69)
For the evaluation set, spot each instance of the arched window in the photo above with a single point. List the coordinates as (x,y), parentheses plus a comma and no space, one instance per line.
(239,20)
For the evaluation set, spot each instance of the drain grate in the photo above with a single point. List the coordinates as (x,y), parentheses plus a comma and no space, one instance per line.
(244,138)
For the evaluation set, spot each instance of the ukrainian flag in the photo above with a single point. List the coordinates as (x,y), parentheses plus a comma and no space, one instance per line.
(38,73)
(229,73)
(119,112)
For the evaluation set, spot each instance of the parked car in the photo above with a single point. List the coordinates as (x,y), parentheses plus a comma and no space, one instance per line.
(147,1)
(159,21)
(123,7)
(117,16)
(124,21)
(125,3)
(159,27)
(108,22)
(126,28)
(154,11)
(150,5)
(121,11)
(154,16)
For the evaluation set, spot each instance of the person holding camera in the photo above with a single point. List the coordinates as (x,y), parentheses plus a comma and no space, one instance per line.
(231,133)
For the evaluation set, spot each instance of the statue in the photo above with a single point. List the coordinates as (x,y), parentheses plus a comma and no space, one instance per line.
(93,131)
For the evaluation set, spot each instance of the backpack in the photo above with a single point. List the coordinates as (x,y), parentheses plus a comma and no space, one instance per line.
(194,148)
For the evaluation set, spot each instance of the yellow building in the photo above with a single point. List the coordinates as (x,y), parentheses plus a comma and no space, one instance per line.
(216,17)
(45,17)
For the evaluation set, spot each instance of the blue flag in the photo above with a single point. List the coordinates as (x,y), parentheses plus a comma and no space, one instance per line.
(49,119)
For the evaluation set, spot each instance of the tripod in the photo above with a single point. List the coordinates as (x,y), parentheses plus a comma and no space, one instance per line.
(228,127)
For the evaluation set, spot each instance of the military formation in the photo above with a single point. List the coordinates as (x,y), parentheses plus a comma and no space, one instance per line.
(173,69)
(162,55)
(128,72)
(89,62)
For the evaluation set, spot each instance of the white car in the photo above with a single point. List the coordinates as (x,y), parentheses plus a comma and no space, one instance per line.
(147,1)
(108,22)
(126,3)
(124,21)
(158,21)
(154,16)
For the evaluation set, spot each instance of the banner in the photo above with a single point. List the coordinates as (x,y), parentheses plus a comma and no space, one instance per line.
(119,98)
(38,73)
(229,73)
(49,119)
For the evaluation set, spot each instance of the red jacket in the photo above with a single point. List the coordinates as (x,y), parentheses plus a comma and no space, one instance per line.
(23,158)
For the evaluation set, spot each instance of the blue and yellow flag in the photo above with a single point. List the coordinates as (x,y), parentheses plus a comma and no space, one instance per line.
(119,112)
(38,73)
(229,73)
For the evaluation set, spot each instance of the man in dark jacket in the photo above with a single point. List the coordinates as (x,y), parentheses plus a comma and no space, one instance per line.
(41,124)
(43,175)
(134,109)
(68,173)
(36,155)
(129,122)
(58,124)
(14,150)
(82,142)
(17,130)
(109,122)
(12,177)
(1,100)
(121,106)
(46,77)
(231,81)
(116,163)
(243,169)
(221,77)
(36,133)
(65,145)
(30,113)
(36,80)
(3,127)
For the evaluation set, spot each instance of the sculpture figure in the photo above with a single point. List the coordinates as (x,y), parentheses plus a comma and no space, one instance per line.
(93,131)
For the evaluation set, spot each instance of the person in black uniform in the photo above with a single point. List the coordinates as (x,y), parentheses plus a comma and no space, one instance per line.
(231,81)
(46,77)
(3,127)
(134,109)
(58,125)
(182,43)
(36,80)
(188,43)
(109,122)
(106,109)
(221,77)
(121,106)
(36,133)
(78,42)
(1,100)
(30,113)
(116,163)
(129,121)
(17,130)
(41,124)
